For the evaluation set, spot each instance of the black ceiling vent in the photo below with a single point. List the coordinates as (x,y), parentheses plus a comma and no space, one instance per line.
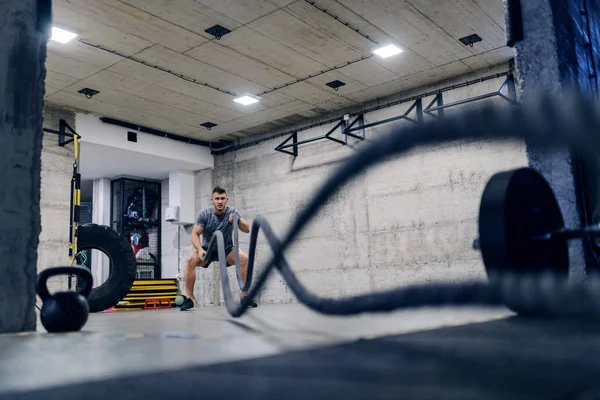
(89,93)
(335,85)
(208,125)
(217,31)
(470,40)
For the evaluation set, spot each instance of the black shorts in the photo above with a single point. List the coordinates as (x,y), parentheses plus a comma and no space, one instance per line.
(214,255)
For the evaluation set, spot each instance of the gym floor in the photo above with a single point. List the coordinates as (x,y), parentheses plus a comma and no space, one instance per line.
(288,351)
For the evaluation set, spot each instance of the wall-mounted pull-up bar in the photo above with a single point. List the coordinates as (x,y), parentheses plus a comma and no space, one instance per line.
(434,109)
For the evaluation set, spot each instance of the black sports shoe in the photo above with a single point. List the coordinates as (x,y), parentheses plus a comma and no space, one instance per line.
(187,304)
(251,304)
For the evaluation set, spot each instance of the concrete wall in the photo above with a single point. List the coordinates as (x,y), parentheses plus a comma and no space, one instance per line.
(411,219)
(56,173)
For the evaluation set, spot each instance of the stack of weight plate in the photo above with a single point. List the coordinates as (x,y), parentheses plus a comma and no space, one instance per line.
(154,290)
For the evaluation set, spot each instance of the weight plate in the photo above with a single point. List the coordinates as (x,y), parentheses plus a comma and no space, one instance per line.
(516,206)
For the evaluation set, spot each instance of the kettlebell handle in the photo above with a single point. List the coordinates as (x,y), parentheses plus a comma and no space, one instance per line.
(42,288)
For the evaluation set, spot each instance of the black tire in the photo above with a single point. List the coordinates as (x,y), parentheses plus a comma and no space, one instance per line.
(123,264)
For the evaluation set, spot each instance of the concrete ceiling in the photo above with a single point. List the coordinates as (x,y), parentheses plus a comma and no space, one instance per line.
(124,49)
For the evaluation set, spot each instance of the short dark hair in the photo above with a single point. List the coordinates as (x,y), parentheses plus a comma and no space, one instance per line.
(219,189)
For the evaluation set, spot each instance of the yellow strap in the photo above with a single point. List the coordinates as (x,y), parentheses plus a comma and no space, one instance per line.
(76,147)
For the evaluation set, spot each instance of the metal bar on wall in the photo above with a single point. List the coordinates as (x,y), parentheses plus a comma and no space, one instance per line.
(388,120)
(509,84)
(438,99)
(362,112)
(336,140)
(461,102)
(346,131)
(302,142)
(294,138)
(62,133)
(418,105)
(349,127)
(342,125)
(361,122)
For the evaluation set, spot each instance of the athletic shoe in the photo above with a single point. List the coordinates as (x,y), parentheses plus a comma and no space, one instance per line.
(251,304)
(187,305)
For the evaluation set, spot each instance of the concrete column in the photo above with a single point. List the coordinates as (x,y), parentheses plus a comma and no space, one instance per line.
(550,59)
(23,29)
(101,216)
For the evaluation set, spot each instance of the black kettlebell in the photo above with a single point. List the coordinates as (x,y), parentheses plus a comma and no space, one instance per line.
(64,311)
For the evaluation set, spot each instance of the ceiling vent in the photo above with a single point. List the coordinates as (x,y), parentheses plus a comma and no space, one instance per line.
(470,40)
(89,93)
(335,85)
(208,125)
(217,31)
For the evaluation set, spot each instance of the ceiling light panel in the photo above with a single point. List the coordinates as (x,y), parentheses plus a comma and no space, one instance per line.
(62,36)
(387,51)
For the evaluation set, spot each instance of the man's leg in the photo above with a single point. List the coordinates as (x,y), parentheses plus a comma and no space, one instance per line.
(191,264)
(243,268)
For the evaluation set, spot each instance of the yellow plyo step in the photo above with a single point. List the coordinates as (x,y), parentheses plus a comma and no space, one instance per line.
(155,282)
(143,290)
(149,294)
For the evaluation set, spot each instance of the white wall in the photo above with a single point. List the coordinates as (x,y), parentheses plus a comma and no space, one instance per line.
(106,152)
(101,216)
(172,252)
(95,131)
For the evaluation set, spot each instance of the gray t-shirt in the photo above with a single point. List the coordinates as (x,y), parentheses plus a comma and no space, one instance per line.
(211,222)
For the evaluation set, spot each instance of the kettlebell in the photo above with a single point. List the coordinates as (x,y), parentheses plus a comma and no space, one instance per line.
(64,311)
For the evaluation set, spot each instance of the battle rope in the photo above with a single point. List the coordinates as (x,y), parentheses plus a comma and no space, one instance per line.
(573,123)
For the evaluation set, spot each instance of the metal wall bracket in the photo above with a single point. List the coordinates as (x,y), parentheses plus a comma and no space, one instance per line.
(349,130)
(294,138)
(440,106)
(344,130)
(62,132)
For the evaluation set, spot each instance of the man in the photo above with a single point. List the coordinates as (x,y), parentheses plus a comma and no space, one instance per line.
(208,221)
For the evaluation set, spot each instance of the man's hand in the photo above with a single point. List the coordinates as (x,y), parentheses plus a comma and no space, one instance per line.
(242,224)
(201,253)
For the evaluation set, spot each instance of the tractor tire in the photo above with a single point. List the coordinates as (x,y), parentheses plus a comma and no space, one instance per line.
(123,264)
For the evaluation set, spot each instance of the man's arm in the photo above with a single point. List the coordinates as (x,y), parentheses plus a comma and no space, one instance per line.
(244,226)
(196,232)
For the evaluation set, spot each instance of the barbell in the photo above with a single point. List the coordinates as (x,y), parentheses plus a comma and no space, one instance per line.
(521,228)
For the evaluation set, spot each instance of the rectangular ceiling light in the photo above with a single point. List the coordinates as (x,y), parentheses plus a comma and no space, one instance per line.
(387,51)
(247,99)
(62,36)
